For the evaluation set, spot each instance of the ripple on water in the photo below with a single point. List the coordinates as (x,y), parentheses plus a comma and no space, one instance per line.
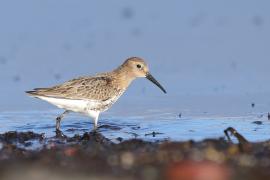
(153,126)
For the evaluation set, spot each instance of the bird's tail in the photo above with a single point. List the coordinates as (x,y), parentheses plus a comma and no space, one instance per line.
(36,92)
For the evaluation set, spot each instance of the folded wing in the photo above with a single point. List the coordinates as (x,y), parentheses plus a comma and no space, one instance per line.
(94,88)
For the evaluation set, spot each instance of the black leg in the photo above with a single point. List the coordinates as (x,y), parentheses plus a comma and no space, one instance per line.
(59,118)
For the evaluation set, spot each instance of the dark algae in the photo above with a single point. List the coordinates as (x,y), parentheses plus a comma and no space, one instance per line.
(91,155)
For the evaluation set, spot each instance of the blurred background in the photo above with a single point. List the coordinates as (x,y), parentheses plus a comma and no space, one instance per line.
(210,55)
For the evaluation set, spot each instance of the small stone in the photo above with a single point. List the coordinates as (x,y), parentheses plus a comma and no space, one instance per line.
(70,151)
(257,122)
(127,160)
(120,139)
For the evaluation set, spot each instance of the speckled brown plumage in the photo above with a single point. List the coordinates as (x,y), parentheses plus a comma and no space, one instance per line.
(91,95)
(100,87)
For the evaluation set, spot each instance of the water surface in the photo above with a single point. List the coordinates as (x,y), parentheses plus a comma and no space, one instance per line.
(152,125)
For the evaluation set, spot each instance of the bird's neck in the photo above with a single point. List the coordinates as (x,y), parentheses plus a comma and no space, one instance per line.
(123,77)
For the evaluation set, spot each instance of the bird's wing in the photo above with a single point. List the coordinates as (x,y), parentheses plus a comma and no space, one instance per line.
(93,88)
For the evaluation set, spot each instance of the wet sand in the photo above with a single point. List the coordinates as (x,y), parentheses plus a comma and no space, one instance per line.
(91,155)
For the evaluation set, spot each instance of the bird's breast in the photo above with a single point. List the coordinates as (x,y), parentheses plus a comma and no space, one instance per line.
(104,105)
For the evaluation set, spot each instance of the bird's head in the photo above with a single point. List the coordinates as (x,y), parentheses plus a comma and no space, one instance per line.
(137,67)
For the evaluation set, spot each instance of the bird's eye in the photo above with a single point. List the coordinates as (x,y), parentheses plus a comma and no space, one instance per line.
(139,66)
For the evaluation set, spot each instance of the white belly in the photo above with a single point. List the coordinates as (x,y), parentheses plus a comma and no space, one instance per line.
(87,107)
(80,106)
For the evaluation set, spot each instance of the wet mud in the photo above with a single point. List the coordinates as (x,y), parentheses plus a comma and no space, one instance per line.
(92,155)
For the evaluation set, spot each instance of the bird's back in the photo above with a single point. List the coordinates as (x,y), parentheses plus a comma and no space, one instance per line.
(100,87)
(82,94)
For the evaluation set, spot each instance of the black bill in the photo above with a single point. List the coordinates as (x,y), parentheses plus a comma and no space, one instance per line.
(153,80)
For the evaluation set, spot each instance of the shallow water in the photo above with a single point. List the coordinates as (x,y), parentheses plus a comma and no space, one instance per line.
(165,125)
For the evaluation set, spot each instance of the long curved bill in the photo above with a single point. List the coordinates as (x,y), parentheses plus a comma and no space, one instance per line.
(153,80)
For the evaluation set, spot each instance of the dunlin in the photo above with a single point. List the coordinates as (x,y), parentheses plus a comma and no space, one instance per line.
(92,95)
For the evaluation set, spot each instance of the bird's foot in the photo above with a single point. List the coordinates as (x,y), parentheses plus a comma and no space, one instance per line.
(59,134)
